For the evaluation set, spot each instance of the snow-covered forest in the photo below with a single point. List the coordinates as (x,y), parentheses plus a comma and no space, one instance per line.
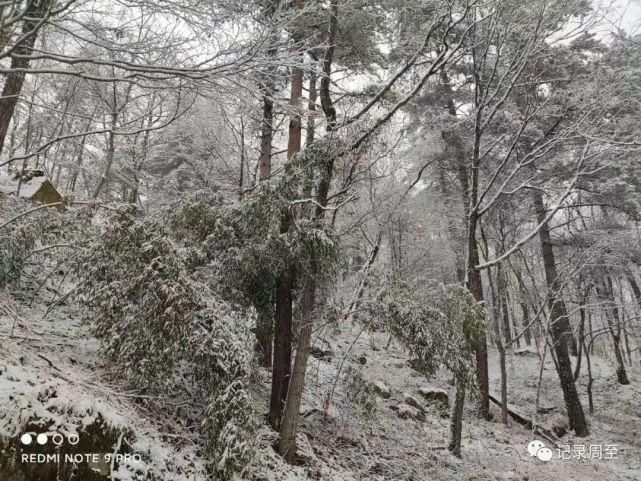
(333,240)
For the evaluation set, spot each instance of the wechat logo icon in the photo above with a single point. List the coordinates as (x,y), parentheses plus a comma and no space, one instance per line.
(537,448)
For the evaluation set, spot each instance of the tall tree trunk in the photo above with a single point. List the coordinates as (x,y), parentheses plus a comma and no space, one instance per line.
(582,301)
(265,324)
(614,326)
(456,423)
(241,159)
(311,109)
(588,363)
(283,319)
(502,361)
(140,160)
(526,315)
(503,297)
(266,136)
(282,346)
(516,328)
(78,165)
(14,80)
(559,324)
(571,340)
(474,284)
(499,310)
(111,150)
(289,426)
(267,121)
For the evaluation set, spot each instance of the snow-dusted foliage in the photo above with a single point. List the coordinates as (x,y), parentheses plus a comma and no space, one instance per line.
(227,423)
(360,393)
(231,248)
(165,334)
(437,325)
(141,307)
(16,241)
(21,235)
(241,250)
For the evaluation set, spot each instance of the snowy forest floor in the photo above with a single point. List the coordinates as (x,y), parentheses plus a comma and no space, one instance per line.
(52,379)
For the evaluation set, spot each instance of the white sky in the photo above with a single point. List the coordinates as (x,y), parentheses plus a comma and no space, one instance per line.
(628,15)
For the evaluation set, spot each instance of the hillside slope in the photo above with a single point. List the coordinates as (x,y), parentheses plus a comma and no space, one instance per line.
(52,380)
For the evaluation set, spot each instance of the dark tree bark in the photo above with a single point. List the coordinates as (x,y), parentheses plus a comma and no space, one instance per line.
(283,319)
(498,311)
(582,301)
(614,325)
(265,325)
(241,174)
(503,297)
(266,136)
(502,347)
(71,185)
(456,426)
(289,425)
(103,182)
(36,12)
(559,325)
(282,347)
(311,108)
(473,282)
(267,122)
(588,363)
(571,340)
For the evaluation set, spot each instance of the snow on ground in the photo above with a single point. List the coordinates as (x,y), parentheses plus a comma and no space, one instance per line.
(52,378)
(27,189)
(391,448)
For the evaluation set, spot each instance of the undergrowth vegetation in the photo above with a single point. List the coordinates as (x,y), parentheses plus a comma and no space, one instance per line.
(437,324)
(21,237)
(167,336)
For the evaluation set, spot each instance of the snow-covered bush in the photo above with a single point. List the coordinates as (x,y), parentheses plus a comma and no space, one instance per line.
(142,306)
(238,253)
(437,324)
(166,334)
(16,242)
(20,237)
(360,393)
(241,250)
(226,422)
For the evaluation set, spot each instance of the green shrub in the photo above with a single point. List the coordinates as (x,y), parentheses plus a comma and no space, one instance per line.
(165,334)
(437,324)
(19,238)
(360,393)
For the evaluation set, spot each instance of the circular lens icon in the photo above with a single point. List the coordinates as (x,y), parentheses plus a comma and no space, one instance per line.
(26,439)
(73,439)
(42,439)
(57,439)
